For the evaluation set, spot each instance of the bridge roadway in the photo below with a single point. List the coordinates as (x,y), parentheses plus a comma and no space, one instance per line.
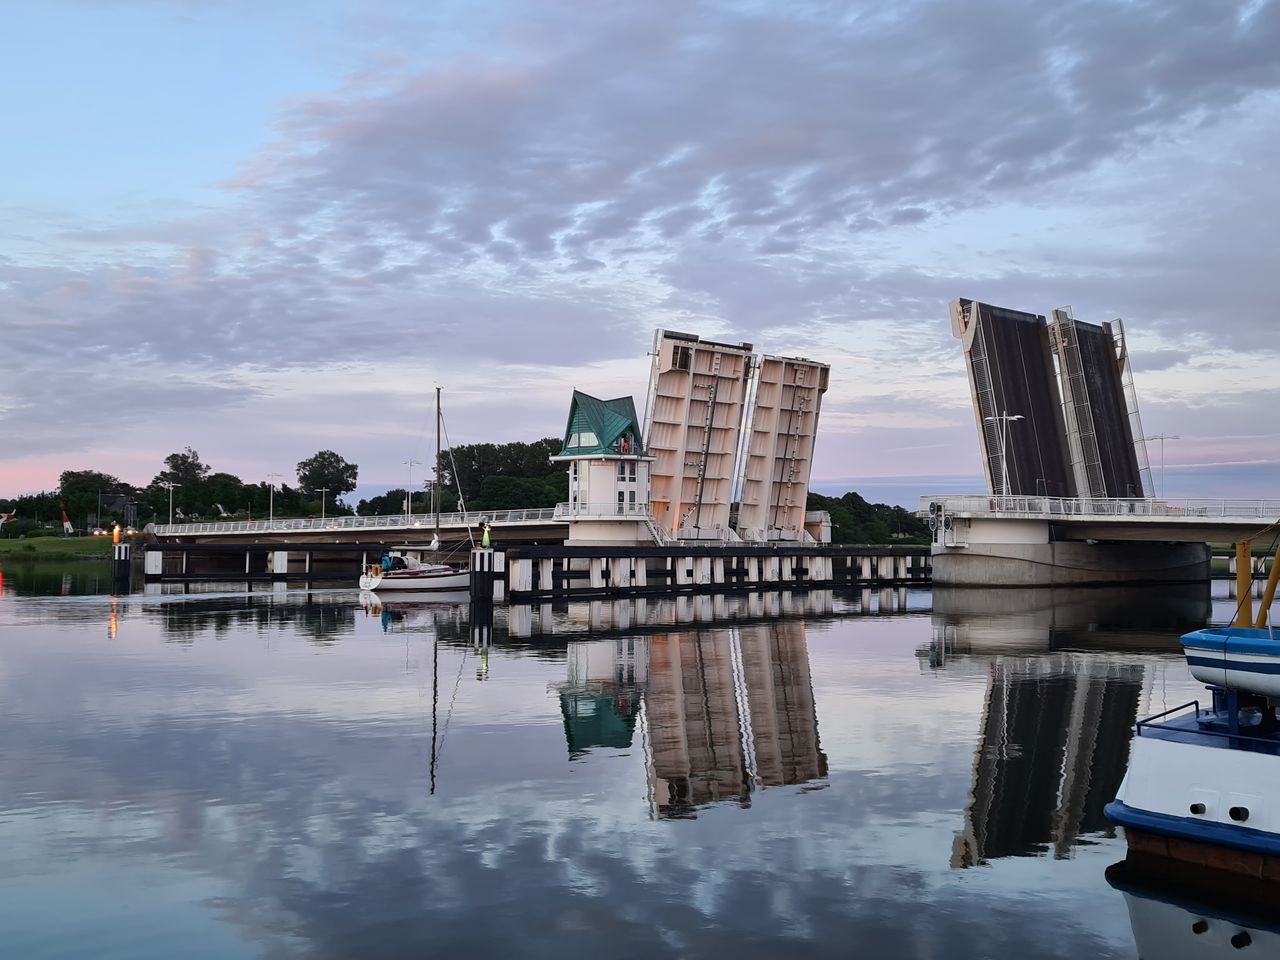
(1086,519)
(532,525)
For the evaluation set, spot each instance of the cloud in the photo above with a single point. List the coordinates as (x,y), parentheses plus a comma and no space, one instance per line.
(539,184)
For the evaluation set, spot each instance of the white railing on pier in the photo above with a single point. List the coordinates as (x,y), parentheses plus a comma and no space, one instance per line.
(424,523)
(1091,508)
(601,511)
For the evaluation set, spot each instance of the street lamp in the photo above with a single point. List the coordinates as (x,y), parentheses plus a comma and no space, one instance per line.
(411,463)
(1162,437)
(1003,419)
(169,485)
(271,496)
(323,491)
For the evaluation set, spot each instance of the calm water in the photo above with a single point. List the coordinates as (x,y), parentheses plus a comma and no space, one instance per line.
(301,774)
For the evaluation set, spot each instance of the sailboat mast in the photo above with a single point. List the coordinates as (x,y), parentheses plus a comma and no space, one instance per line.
(435,487)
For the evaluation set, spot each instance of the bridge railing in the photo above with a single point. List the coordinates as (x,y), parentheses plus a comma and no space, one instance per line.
(422,522)
(603,510)
(1088,507)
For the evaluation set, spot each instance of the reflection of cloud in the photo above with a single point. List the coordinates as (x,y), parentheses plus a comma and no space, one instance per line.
(315,829)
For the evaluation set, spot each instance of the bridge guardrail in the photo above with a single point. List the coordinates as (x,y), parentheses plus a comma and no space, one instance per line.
(423,522)
(1097,507)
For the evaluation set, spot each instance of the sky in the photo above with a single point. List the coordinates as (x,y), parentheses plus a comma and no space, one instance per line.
(265,229)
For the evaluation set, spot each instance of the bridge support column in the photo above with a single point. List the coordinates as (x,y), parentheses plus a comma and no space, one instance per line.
(546,574)
(788,566)
(520,576)
(717,570)
(596,569)
(684,571)
(1018,553)
(620,571)
(702,571)
(900,568)
(771,569)
(1244,584)
(864,568)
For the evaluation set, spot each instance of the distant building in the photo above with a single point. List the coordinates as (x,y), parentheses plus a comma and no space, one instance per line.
(609,471)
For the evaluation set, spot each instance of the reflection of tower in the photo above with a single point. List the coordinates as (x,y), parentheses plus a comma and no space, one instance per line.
(1053,749)
(601,700)
(775,660)
(719,703)
(694,722)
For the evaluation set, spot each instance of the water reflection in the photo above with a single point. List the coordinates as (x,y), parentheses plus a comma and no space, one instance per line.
(725,711)
(1053,749)
(1062,696)
(1079,618)
(274,785)
(1206,918)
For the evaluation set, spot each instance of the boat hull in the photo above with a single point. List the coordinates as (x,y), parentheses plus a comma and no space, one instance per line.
(1205,803)
(1238,658)
(416,580)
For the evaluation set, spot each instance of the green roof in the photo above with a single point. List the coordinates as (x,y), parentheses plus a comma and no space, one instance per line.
(599,427)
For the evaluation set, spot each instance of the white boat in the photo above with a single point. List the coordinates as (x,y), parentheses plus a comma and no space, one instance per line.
(414,575)
(1203,781)
(409,571)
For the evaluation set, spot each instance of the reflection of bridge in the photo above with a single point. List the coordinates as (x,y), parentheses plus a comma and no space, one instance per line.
(724,710)
(1054,745)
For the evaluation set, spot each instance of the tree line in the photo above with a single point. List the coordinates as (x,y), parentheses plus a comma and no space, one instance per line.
(488,476)
(187,485)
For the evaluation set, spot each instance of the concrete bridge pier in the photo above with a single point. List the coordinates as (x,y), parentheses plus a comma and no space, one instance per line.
(1023,553)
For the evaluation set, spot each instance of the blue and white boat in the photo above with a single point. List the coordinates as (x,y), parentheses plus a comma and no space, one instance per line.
(1203,783)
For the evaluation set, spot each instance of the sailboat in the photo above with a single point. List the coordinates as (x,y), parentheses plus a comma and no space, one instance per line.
(408,570)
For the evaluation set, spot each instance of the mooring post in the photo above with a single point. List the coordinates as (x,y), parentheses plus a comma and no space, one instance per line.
(120,561)
(482,576)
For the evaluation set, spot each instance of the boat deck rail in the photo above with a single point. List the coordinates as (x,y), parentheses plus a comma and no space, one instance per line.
(1205,727)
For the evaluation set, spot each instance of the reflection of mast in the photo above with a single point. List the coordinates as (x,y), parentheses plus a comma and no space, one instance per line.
(435,703)
(1052,751)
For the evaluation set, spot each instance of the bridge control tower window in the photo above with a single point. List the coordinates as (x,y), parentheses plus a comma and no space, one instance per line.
(681,357)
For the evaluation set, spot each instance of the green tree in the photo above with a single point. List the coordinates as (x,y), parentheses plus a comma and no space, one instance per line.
(185,468)
(478,462)
(94,497)
(329,471)
(853,520)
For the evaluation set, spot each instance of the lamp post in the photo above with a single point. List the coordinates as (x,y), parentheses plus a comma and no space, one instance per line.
(323,491)
(169,485)
(1162,437)
(1003,419)
(271,496)
(410,463)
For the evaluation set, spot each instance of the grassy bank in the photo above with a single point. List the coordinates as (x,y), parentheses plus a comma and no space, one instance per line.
(97,548)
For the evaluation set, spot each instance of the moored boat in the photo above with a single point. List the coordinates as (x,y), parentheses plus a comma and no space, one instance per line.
(414,575)
(405,569)
(1203,783)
